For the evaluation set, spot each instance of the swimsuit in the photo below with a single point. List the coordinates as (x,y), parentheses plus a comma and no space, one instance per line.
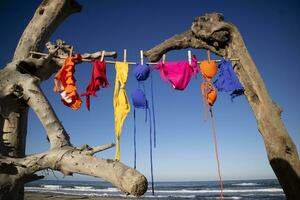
(227,80)
(178,73)
(141,73)
(65,83)
(97,81)
(121,104)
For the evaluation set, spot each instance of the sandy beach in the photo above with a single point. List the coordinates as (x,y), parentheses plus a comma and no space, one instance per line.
(40,196)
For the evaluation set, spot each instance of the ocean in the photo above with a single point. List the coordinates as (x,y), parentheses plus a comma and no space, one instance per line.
(236,189)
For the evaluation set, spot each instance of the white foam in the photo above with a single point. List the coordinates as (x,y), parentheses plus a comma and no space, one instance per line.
(246,184)
(224,191)
(83,187)
(165,196)
(52,187)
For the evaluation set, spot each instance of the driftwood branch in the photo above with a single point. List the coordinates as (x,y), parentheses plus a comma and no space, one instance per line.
(207,32)
(64,51)
(91,151)
(35,98)
(212,33)
(71,160)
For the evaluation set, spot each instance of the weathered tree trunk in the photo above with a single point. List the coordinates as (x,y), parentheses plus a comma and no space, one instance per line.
(19,90)
(212,33)
(15,142)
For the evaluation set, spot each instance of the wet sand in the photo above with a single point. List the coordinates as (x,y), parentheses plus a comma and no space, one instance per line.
(41,196)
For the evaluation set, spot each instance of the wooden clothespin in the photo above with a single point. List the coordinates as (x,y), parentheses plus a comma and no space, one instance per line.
(190,57)
(164,58)
(71,51)
(142,57)
(208,55)
(102,55)
(125,54)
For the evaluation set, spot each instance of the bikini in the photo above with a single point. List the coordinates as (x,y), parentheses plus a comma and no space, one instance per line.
(208,70)
(178,73)
(139,100)
(120,102)
(97,81)
(65,83)
(227,80)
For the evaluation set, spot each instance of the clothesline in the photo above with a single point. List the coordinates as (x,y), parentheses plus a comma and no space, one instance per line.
(154,63)
(114,62)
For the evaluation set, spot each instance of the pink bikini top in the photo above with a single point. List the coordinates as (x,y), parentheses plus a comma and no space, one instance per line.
(178,73)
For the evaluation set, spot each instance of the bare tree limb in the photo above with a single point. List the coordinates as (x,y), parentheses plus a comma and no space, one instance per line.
(40,105)
(71,160)
(98,149)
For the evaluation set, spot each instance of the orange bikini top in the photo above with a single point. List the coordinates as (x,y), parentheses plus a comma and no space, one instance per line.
(65,83)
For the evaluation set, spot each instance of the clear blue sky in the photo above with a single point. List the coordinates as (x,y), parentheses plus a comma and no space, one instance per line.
(185,147)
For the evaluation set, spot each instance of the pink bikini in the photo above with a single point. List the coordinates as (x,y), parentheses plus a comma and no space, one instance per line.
(178,73)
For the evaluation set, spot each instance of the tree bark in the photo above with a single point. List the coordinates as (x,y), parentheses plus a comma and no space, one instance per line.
(19,90)
(212,33)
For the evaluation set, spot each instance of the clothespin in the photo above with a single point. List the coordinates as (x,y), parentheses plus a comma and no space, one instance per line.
(208,55)
(125,54)
(102,55)
(190,57)
(164,58)
(71,51)
(142,57)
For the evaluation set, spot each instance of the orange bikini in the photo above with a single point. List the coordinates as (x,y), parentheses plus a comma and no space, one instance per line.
(208,69)
(65,83)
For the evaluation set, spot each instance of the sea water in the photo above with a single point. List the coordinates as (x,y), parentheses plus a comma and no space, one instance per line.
(236,189)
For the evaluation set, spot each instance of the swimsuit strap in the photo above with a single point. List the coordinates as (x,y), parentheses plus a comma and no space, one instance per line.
(144,90)
(153,111)
(204,93)
(134,137)
(151,154)
(141,86)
